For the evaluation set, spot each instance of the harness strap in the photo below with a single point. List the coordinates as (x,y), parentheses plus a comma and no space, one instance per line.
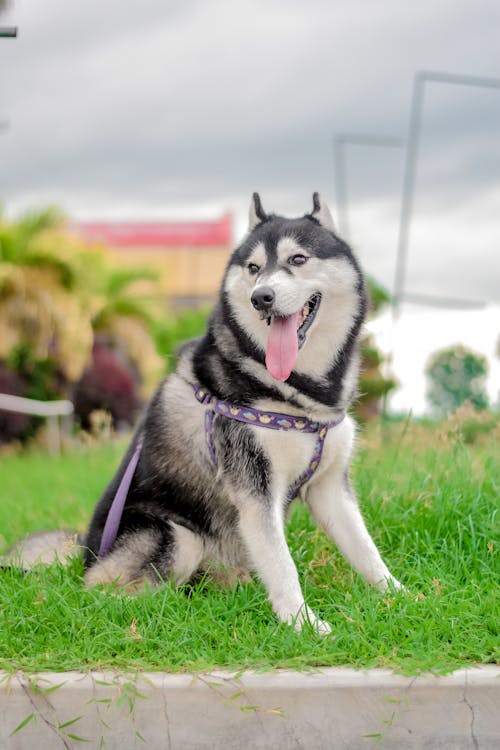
(295,488)
(270,420)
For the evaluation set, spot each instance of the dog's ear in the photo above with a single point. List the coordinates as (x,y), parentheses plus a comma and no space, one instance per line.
(322,214)
(257,213)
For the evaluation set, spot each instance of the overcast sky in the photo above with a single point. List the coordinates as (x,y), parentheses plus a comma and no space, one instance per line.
(177,108)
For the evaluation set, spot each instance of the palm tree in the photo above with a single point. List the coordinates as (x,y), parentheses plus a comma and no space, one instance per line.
(57,294)
(43,300)
(374,385)
(124,315)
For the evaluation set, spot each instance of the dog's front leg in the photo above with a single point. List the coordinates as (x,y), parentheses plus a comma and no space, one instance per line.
(334,506)
(262,529)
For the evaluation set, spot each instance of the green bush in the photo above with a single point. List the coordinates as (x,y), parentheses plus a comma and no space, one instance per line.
(170,333)
(456,375)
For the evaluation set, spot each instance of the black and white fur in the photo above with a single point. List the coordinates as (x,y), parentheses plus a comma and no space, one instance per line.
(182,512)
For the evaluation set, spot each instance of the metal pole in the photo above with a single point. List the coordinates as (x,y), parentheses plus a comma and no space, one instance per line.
(409,180)
(453,303)
(461,80)
(53,435)
(408,188)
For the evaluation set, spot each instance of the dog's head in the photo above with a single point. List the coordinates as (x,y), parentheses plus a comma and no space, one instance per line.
(292,286)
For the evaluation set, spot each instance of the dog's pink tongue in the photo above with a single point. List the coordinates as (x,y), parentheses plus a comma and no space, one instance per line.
(282,346)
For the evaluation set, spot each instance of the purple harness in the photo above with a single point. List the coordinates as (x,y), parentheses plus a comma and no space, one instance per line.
(270,419)
(247,415)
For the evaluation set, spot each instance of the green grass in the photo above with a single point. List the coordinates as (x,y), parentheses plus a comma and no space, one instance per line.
(429,500)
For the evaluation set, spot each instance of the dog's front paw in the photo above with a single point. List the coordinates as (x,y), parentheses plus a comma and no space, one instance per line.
(396,585)
(321,627)
(389,583)
(306,618)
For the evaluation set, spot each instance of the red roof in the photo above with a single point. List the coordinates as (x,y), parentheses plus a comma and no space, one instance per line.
(159,234)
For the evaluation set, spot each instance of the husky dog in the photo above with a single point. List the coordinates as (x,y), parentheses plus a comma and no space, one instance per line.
(210,481)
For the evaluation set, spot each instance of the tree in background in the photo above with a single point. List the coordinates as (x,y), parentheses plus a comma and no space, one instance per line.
(61,305)
(456,375)
(373,384)
(44,298)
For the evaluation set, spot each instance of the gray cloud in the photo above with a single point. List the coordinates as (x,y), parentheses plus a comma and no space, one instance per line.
(157,105)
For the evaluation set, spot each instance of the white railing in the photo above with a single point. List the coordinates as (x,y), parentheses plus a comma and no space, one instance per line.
(51,410)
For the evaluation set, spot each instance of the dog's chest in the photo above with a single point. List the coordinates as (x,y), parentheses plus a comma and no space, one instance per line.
(293,454)
(289,452)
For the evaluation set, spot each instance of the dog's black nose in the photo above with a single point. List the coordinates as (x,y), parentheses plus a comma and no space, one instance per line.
(263,298)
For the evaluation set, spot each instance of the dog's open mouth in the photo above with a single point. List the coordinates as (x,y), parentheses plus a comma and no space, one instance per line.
(308,313)
(286,335)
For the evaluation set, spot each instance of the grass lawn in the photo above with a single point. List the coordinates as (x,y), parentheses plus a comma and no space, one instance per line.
(430,501)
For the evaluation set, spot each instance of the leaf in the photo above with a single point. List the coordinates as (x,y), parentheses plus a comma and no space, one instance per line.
(133,691)
(125,698)
(24,722)
(276,712)
(97,700)
(239,673)
(77,738)
(390,721)
(69,722)
(46,691)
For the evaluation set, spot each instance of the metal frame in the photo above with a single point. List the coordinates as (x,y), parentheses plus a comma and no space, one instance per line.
(413,142)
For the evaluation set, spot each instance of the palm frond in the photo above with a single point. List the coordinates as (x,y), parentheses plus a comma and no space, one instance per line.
(11,280)
(34,222)
(66,272)
(134,307)
(118,280)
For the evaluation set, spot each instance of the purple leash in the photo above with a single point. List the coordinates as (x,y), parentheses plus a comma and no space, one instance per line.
(116,510)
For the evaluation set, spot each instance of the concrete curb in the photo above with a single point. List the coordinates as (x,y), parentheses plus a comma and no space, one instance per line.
(323,710)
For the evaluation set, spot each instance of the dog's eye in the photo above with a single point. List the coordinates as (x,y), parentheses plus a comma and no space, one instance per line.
(253,269)
(297,260)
